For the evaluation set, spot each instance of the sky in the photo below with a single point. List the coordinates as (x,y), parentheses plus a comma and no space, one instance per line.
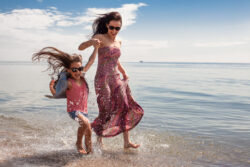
(152,31)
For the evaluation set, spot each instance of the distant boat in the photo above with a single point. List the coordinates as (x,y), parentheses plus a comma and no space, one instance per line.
(141,61)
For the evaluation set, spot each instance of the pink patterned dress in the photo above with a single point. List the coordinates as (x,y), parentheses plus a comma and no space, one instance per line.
(118,112)
(77,97)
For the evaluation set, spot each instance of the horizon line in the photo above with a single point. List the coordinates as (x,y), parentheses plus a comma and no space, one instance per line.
(25,61)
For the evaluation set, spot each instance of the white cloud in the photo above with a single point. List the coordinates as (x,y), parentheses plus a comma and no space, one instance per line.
(149,44)
(36,19)
(146,50)
(27,19)
(45,18)
(24,31)
(128,12)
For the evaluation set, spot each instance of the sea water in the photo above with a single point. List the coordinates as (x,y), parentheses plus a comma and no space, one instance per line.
(196,114)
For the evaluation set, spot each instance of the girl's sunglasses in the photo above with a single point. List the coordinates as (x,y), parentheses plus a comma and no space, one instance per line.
(77,69)
(116,28)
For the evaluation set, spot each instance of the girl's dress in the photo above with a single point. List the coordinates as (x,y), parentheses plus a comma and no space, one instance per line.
(77,98)
(118,112)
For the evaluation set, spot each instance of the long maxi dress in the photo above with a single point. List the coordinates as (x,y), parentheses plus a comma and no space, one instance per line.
(118,111)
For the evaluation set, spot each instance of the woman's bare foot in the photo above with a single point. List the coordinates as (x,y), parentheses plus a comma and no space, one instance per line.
(99,142)
(131,145)
(99,145)
(80,149)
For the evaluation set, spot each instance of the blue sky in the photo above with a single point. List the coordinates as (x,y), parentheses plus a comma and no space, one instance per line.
(153,30)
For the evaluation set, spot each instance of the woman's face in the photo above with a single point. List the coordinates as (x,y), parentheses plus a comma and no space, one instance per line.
(75,70)
(113,28)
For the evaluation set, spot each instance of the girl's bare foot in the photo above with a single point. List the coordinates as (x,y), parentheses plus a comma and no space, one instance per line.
(131,145)
(89,148)
(80,149)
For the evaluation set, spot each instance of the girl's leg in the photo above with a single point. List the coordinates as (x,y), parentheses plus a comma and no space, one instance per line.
(88,142)
(127,143)
(87,132)
(80,134)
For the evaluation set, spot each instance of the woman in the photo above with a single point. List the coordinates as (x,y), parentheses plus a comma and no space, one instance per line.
(118,112)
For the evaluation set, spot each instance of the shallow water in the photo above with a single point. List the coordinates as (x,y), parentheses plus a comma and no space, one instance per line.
(196,114)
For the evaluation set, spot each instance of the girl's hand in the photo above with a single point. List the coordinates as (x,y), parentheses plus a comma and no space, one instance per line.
(96,42)
(52,83)
(51,87)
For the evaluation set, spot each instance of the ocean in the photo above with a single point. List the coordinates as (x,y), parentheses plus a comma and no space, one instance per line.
(196,114)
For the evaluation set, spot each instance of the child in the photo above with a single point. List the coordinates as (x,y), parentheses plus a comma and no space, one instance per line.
(77,89)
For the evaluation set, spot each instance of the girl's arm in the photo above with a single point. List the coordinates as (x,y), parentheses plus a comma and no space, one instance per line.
(51,87)
(121,69)
(69,85)
(92,41)
(91,60)
(92,57)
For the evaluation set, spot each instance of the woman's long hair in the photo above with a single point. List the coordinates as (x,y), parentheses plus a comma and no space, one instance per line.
(99,25)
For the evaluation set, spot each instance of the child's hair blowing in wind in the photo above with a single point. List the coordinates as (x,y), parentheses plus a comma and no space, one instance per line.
(76,89)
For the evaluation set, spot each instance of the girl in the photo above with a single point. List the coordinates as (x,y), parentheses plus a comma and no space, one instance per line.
(77,89)
(118,112)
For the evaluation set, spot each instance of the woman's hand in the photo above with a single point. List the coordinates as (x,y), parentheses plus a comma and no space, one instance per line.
(121,69)
(96,42)
(125,76)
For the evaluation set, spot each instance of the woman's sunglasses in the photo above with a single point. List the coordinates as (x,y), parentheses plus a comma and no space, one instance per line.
(116,28)
(77,69)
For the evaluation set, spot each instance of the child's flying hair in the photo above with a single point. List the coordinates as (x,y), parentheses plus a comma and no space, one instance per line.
(57,59)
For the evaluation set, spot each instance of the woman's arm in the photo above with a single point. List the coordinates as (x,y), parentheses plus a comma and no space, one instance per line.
(92,41)
(121,69)
(85,45)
